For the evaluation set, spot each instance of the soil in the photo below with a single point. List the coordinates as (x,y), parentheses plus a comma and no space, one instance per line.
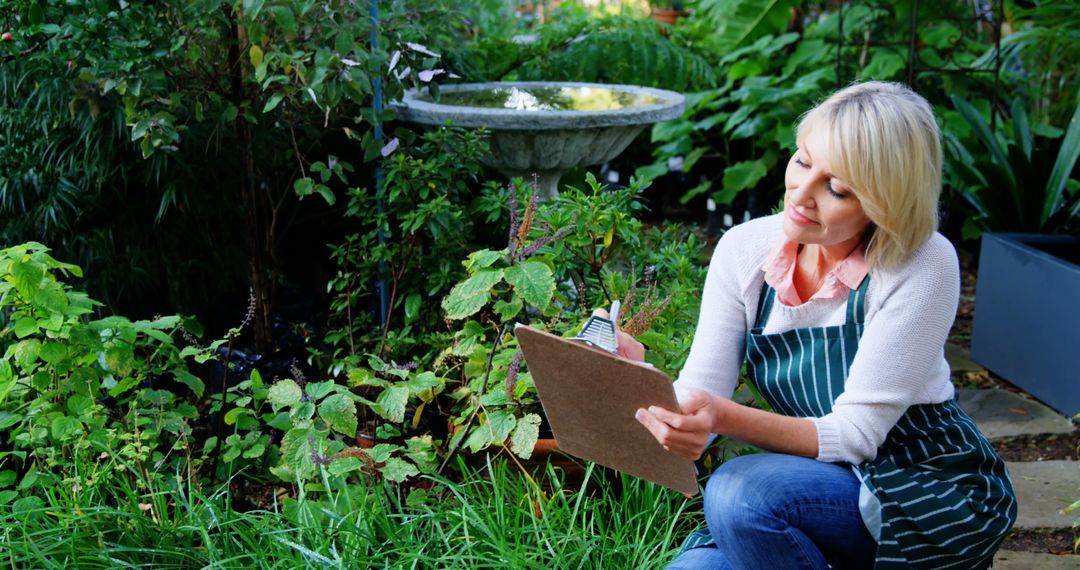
(1061,541)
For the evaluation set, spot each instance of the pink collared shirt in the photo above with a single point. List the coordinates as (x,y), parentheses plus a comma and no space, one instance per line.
(780,274)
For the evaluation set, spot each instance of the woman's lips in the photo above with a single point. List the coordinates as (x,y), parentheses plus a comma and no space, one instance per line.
(799,218)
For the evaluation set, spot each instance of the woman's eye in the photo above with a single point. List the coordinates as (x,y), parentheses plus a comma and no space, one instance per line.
(801,163)
(840,195)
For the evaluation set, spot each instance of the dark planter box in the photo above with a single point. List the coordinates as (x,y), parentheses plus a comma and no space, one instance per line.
(1027,315)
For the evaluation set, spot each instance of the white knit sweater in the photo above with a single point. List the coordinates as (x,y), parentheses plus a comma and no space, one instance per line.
(900,361)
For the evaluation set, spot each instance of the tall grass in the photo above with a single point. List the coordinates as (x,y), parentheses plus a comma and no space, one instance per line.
(498,517)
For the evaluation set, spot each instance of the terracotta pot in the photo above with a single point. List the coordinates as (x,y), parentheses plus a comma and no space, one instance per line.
(669,17)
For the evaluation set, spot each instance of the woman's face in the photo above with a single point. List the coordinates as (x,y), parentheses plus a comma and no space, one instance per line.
(818,207)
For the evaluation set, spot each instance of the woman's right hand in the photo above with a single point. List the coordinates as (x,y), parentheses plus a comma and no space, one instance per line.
(629,347)
(684,434)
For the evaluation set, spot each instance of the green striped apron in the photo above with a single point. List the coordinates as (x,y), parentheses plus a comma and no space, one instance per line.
(936,496)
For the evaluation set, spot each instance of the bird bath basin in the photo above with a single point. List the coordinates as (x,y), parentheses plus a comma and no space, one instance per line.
(546,128)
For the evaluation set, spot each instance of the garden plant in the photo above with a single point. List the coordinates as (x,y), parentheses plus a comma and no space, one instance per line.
(250,319)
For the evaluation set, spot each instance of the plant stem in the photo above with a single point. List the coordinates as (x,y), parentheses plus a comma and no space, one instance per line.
(483,389)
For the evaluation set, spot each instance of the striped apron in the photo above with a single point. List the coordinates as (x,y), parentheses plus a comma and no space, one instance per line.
(937,495)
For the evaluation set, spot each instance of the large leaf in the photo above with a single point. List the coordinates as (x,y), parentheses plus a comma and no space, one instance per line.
(398,470)
(742,176)
(741,20)
(391,403)
(533,281)
(525,435)
(471,295)
(982,130)
(339,412)
(1063,166)
(285,393)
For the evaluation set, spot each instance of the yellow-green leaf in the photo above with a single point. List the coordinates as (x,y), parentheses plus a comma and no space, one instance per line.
(256,55)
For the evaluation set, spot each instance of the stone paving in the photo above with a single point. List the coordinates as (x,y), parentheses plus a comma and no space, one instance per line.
(1043,488)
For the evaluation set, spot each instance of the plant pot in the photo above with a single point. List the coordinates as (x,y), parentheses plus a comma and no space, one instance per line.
(669,17)
(1027,307)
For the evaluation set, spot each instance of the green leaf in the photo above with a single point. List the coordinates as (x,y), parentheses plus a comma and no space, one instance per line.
(318,390)
(534,281)
(284,17)
(8,419)
(28,277)
(64,427)
(364,377)
(391,403)
(345,465)
(482,259)
(304,187)
(525,435)
(469,296)
(25,326)
(743,175)
(27,506)
(509,310)
(273,102)
(412,307)
(423,382)
(326,193)
(1063,165)
(192,381)
(501,423)
(339,412)
(252,9)
(285,393)
(79,405)
(234,414)
(53,352)
(296,451)
(398,470)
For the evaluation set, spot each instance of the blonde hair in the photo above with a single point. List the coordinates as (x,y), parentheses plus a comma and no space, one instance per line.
(883,142)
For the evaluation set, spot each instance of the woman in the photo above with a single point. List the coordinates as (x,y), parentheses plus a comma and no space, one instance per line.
(840,307)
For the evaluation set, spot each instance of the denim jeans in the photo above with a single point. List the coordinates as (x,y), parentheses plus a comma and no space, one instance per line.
(781,512)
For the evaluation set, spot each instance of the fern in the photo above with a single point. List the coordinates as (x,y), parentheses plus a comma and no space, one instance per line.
(635,56)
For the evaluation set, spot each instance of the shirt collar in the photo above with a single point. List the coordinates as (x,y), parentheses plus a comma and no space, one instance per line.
(779,271)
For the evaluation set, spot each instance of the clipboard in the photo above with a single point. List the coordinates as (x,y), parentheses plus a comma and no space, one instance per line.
(590,397)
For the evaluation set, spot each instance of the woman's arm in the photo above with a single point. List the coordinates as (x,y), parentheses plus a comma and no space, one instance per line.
(687,434)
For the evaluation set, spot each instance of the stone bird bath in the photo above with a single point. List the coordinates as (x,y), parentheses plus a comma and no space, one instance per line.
(546,128)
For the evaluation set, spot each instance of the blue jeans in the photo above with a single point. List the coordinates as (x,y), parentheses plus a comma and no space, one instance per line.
(776,512)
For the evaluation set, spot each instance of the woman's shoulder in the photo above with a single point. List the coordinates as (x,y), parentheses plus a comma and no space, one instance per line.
(934,264)
(746,245)
(757,233)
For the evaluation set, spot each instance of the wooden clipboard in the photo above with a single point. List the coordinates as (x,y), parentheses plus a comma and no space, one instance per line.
(590,397)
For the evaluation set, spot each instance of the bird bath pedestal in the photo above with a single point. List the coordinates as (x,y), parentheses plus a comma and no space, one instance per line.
(546,128)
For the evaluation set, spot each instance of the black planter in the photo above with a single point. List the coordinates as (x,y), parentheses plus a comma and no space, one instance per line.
(1027,315)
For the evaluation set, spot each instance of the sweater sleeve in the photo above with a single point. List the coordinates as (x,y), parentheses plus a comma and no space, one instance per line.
(901,350)
(717,351)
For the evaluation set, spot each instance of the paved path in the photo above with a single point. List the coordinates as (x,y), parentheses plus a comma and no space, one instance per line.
(1043,488)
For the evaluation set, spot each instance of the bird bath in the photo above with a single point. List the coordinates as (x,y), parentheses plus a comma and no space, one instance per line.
(546,128)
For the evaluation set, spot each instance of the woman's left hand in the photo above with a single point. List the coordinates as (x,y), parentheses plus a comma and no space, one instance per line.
(684,434)
(629,347)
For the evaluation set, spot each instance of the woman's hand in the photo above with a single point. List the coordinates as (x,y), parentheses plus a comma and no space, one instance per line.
(629,347)
(684,434)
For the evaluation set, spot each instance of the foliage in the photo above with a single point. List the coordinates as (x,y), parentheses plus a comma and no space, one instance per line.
(584,249)
(412,229)
(76,393)
(730,24)
(1046,44)
(499,517)
(610,49)
(1023,185)
(757,106)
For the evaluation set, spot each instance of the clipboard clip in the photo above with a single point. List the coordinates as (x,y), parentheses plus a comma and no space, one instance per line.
(600,332)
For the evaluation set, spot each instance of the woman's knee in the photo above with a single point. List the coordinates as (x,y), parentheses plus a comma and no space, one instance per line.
(750,491)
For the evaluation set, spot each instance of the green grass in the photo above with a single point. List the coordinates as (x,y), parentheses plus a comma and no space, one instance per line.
(498,518)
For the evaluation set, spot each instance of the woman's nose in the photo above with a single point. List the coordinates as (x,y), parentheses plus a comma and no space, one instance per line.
(802,194)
